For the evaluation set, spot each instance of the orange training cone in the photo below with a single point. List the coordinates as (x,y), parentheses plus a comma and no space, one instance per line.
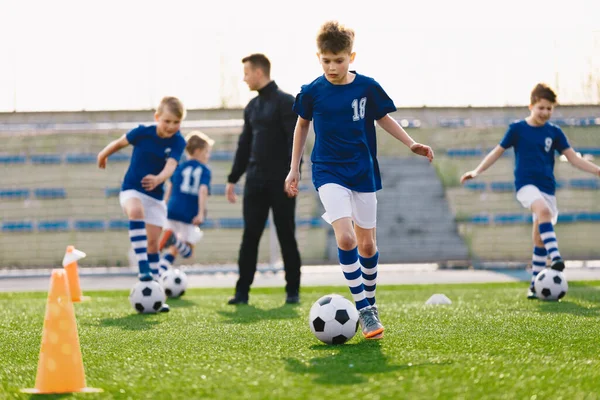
(60,366)
(72,255)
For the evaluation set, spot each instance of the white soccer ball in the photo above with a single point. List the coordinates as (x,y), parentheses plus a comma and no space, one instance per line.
(147,297)
(174,282)
(550,285)
(333,319)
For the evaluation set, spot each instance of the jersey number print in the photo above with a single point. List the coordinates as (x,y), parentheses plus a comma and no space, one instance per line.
(548,145)
(189,174)
(359,108)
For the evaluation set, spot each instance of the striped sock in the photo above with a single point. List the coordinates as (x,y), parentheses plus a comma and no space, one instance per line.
(166,262)
(538,262)
(183,248)
(369,275)
(549,238)
(353,274)
(139,242)
(153,259)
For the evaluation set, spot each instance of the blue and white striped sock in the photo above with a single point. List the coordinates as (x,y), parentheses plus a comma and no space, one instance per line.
(183,248)
(139,242)
(166,262)
(153,259)
(353,274)
(369,275)
(538,262)
(549,237)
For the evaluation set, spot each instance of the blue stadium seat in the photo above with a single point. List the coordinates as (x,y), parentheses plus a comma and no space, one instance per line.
(567,218)
(464,152)
(45,158)
(208,224)
(119,157)
(53,226)
(112,192)
(81,158)
(118,224)
(593,184)
(221,155)
(231,223)
(506,219)
(17,226)
(502,186)
(479,186)
(479,219)
(12,159)
(89,225)
(595,151)
(587,217)
(314,222)
(50,193)
(561,184)
(14,194)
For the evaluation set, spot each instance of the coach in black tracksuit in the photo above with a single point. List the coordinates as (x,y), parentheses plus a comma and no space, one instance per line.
(264,153)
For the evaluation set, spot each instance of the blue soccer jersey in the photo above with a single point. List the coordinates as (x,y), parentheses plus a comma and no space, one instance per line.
(534,153)
(186,181)
(345,149)
(150,154)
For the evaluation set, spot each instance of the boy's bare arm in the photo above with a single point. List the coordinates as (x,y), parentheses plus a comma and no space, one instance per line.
(487,162)
(149,182)
(168,191)
(391,126)
(580,162)
(202,199)
(300,134)
(110,149)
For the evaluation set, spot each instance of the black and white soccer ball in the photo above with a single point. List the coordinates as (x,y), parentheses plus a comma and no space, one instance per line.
(550,285)
(147,297)
(333,319)
(174,282)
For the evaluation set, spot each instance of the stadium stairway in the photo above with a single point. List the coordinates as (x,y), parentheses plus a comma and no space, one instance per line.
(414,221)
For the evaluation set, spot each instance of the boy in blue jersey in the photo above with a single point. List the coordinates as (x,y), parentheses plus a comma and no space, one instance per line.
(156,153)
(187,197)
(535,140)
(344,106)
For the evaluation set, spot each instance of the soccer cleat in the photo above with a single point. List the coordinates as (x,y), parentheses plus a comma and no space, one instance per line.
(145,276)
(376,312)
(531,295)
(369,323)
(167,240)
(558,264)
(165,308)
(238,299)
(376,337)
(292,299)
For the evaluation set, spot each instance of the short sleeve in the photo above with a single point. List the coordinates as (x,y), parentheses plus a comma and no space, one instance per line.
(177,150)
(134,135)
(303,105)
(206,177)
(380,104)
(560,142)
(510,138)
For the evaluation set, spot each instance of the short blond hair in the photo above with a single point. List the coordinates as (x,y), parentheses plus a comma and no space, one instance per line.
(172,105)
(197,140)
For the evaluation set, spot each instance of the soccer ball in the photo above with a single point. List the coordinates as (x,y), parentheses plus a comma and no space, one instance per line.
(147,297)
(174,282)
(550,285)
(333,319)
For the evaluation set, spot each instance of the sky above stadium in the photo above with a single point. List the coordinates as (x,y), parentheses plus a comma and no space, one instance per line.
(127,54)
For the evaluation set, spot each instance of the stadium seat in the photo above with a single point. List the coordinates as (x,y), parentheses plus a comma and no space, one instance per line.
(118,224)
(479,219)
(479,186)
(53,226)
(50,193)
(231,223)
(12,159)
(585,184)
(14,194)
(567,218)
(502,186)
(506,219)
(119,157)
(464,152)
(17,226)
(83,158)
(89,225)
(112,192)
(587,217)
(221,155)
(45,158)
(594,151)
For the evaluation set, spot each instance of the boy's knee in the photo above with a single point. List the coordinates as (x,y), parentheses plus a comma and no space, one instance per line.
(367,249)
(346,241)
(544,214)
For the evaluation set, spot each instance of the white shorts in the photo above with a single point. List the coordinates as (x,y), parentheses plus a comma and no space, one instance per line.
(188,233)
(530,193)
(340,202)
(155,211)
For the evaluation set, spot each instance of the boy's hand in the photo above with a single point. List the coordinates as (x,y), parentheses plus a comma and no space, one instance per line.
(101,161)
(422,150)
(230,192)
(150,182)
(291,184)
(467,176)
(198,219)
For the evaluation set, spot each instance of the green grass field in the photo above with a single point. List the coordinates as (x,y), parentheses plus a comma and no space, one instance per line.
(491,343)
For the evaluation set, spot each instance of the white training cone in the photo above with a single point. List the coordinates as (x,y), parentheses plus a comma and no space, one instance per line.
(72,256)
(438,298)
